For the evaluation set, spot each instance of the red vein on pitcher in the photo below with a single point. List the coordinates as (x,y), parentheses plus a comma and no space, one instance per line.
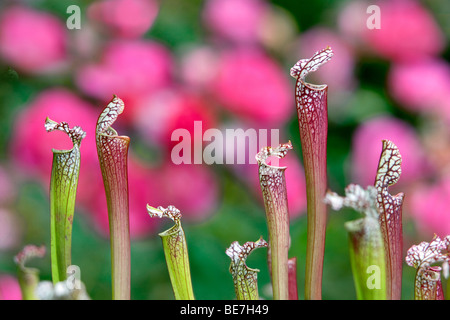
(63,188)
(112,152)
(427,284)
(175,251)
(390,210)
(312,112)
(273,186)
(245,279)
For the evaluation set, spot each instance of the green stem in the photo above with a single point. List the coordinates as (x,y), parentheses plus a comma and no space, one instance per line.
(367,256)
(176,253)
(28,277)
(113,156)
(245,279)
(63,189)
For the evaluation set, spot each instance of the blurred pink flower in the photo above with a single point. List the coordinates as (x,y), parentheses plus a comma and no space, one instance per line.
(428,206)
(423,86)
(407,32)
(31,145)
(236,20)
(124,18)
(339,75)
(367,149)
(31,40)
(352,20)
(129,69)
(252,86)
(198,67)
(158,115)
(9,288)
(191,188)
(10,230)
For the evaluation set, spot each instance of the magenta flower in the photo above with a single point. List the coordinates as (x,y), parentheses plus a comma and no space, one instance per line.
(366,144)
(236,20)
(428,206)
(10,229)
(132,69)
(405,79)
(352,20)
(158,115)
(200,199)
(198,66)
(32,41)
(114,16)
(249,84)
(9,288)
(407,32)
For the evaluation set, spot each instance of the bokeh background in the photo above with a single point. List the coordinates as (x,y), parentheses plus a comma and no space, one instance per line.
(225,63)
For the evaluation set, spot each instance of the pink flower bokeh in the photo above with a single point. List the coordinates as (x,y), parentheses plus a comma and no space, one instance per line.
(422,86)
(10,229)
(114,16)
(236,20)
(157,116)
(31,40)
(408,32)
(428,205)
(198,67)
(338,75)
(130,69)
(9,288)
(191,188)
(252,86)
(367,145)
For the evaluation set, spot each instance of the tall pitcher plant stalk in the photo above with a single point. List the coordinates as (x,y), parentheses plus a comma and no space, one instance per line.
(312,111)
(273,186)
(112,152)
(63,189)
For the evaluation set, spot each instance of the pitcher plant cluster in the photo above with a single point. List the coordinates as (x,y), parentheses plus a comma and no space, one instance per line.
(375,240)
